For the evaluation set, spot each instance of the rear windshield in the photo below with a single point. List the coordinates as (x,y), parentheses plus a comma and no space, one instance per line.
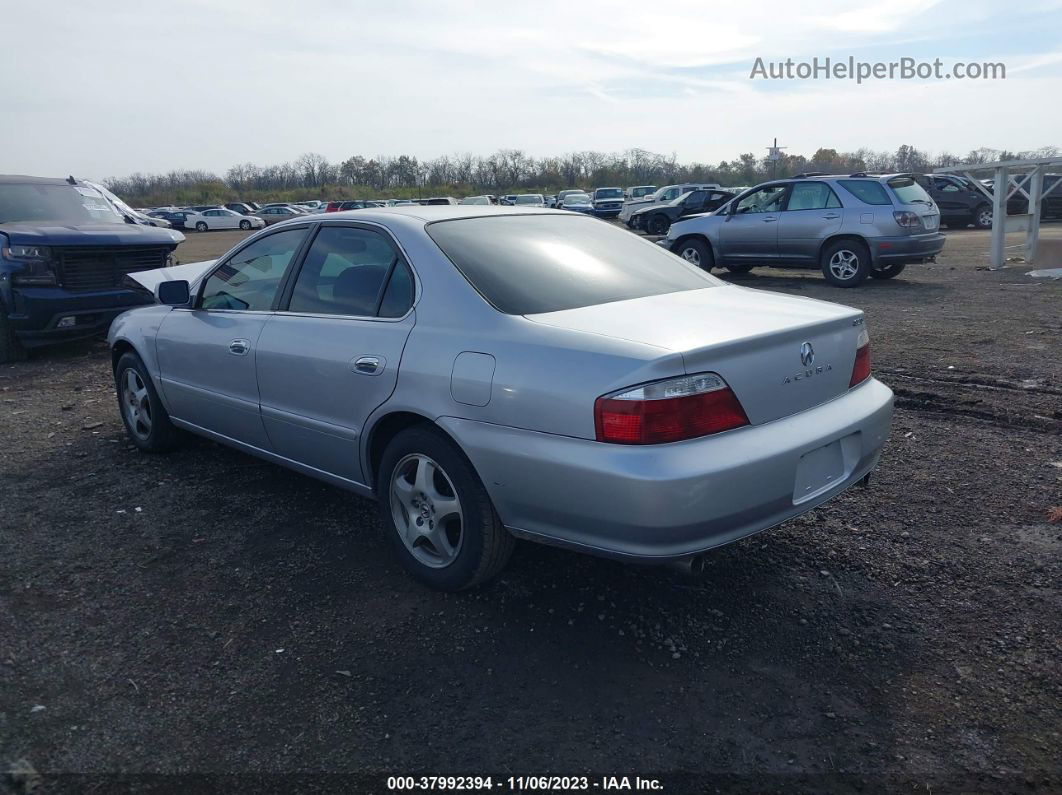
(908,191)
(527,264)
(75,204)
(866,190)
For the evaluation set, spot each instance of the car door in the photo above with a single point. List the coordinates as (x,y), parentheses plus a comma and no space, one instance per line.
(750,231)
(214,219)
(207,353)
(331,356)
(812,213)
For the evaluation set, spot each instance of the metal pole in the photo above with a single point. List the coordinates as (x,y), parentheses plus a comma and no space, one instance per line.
(1032,234)
(999,218)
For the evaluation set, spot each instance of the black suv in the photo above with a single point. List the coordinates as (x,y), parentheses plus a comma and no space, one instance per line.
(959,201)
(656,220)
(64,253)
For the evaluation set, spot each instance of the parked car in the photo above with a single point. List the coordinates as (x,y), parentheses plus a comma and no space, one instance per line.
(484,200)
(850,226)
(198,208)
(222,219)
(638,191)
(658,218)
(521,398)
(960,202)
(243,208)
(578,202)
(509,200)
(438,200)
(551,200)
(1050,204)
(607,202)
(530,200)
(276,214)
(64,254)
(175,218)
(565,193)
(663,195)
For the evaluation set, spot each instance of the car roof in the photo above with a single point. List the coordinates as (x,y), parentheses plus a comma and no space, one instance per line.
(423,214)
(21,179)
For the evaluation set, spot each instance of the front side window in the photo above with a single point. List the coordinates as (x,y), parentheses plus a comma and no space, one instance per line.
(345,272)
(764,200)
(249,280)
(812,196)
(530,264)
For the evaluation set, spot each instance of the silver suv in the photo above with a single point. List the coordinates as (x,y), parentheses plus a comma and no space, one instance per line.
(851,226)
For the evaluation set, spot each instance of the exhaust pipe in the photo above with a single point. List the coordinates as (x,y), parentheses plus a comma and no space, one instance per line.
(691,567)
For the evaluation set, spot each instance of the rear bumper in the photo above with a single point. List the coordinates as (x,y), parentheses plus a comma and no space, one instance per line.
(36,312)
(895,250)
(668,502)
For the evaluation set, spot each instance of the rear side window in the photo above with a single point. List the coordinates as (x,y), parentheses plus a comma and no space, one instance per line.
(812,196)
(344,274)
(867,191)
(524,265)
(908,191)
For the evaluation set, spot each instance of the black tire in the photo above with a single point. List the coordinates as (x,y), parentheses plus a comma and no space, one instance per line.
(245,225)
(633,222)
(696,252)
(740,267)
(481,548)
(852,265)
(887,272)
(11,349)
(982,217)
(159,434)
(658,224)
(201,226)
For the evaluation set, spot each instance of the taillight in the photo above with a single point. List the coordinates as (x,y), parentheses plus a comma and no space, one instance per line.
(861,368)
(668,411)
(907,219)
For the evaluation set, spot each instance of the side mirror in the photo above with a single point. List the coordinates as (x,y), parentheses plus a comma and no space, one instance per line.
(175,293)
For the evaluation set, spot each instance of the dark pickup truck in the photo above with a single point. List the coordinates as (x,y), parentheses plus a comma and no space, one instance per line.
(65,250)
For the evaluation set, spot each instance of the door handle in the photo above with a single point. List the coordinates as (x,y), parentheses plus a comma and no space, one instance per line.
(769,220)
(831,216)
(239,347)
(369,365)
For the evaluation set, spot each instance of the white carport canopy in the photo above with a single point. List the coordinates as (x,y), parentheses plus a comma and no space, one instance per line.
(1012,177)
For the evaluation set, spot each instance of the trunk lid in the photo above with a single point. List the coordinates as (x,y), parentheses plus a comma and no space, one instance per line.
(754,339)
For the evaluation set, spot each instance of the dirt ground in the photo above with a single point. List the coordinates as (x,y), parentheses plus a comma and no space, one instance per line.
(206,613)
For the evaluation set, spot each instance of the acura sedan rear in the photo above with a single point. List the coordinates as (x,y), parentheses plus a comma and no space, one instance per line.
(489,373)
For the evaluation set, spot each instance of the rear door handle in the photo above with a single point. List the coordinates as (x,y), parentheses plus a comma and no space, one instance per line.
(239,347)
(831,216)
(369,365)
(769,220)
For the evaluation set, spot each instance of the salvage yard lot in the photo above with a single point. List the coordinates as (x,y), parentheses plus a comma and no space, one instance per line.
(207,612)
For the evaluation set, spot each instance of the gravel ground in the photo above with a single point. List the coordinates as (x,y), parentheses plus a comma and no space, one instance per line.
(207,613)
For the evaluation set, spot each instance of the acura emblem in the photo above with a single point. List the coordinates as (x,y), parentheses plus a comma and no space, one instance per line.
(807,354)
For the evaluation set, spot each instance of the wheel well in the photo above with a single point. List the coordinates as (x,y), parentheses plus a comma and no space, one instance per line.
(385,430)
(121,347)
(701,238)
(837,238)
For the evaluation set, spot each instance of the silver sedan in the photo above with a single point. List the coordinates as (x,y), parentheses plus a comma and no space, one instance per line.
(498,373)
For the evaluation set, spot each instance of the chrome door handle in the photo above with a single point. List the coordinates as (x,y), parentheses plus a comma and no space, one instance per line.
(239,347)
(769,220)
(369,365)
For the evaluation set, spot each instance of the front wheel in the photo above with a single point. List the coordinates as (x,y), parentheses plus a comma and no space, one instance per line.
(245,225)
(696,252)
(200,226)
(437,513)
(983,217)
(846,263)
(146,421)
(887,272)
(658,225)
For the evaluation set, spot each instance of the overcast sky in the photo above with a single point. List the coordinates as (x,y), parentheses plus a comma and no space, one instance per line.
(110,88)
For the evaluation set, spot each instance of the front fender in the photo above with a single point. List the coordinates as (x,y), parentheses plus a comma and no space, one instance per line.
(138,329)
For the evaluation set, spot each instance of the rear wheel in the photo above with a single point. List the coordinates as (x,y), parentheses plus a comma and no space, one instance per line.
(200,226)
(245,225)
(696,252)
(437,513)
(146,421)
(887,272)
(845,263)
(982,217)
(658,225)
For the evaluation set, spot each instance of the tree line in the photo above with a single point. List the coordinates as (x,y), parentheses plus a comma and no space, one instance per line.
(312,176)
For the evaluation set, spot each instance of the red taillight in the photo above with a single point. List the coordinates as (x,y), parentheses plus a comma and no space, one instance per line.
(668,411)
(861,368)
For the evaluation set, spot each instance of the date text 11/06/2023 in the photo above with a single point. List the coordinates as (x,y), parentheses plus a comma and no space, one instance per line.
(524,783)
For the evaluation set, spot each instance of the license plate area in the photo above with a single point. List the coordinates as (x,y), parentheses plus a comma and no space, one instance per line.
(825,467)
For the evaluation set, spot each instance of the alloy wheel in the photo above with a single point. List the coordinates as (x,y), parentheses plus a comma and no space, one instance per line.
(136,404)
(844,264)
(691,255)
(426,511)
